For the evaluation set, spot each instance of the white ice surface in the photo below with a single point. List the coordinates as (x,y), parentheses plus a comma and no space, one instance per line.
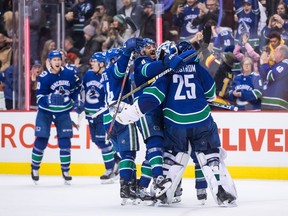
(86,196)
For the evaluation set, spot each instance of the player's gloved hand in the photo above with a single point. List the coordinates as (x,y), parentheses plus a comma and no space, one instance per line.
(173,61)
(55,100)
(184,46)
(127,113)
(132,44)
(78,106)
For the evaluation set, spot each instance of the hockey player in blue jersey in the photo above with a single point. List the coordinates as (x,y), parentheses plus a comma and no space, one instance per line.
(94,101)
(150,125)
(57,94)
(275,80)
(188,122)
(123,137)
(246,88)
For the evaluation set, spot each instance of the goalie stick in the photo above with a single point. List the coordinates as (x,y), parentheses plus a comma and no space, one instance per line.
(223,106)
(144,84)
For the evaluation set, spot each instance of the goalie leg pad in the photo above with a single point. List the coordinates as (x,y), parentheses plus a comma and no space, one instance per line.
(218,178)
(175,174)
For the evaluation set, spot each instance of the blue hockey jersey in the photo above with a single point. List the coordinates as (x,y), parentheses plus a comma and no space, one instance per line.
(94,93)
(184,94)
(275,80)
(66,83)
(250,87)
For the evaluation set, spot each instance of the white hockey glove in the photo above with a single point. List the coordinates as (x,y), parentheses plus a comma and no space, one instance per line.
(127,113)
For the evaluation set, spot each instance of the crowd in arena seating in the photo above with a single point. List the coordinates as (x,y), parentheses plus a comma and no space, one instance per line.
(246,50)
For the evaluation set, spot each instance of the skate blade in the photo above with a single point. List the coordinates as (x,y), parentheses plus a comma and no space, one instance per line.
(144,202)
(107,181)
(226,204)
(35,182)
(202,202)
(176,200)
(128,201)
(158,203)
(67,182)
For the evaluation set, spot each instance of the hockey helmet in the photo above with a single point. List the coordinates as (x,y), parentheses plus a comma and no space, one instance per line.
(54,54)
(99,56)
(166,48)
(113,53)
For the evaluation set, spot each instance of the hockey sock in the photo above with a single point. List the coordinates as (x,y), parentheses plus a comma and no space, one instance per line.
(154,154)
(127,166)
(146,174)
(108,156)
(65,153)
(38,151)
(200,178)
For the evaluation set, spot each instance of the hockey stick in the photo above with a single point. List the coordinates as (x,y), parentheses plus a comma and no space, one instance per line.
(223,106)
(144,84)
(119,97)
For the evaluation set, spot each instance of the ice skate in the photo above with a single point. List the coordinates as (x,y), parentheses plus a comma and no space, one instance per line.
(225,199)
(127,192)
(67,178)
(109,177)
(201,195)
(35,176)
(177,194)
(161,185)
(144,197)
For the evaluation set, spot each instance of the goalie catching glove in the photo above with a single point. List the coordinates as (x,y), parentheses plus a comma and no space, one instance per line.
(127,113)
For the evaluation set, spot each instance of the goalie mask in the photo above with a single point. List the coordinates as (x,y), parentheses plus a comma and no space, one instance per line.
(166,48)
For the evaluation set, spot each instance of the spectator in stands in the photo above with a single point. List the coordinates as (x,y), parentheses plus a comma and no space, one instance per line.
(149,24)
(274,41)
(224,77)
(184,17)
(282,10)
(93,42)
(6,77)
(222,38)
(48,46)
(244,49)
(102,19)
(275,91)
(76,18)
(35,71)
(133,10)
(208,11)
(69,47)
(8,24)
(246,87)
(5,51)
(35,14)
(247,18)
(276,24)
(119,33)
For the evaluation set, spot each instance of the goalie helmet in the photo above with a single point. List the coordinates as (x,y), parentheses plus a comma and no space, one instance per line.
(166,48)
